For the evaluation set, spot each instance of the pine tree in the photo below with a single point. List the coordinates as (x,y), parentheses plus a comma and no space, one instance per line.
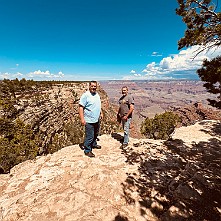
(203,28)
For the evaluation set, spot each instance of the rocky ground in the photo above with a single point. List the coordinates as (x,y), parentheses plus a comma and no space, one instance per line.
(149,180)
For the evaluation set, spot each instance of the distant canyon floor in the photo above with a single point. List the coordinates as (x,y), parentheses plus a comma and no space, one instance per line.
(155,97)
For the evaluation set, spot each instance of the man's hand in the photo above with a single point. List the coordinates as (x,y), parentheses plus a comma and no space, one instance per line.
(83,122)
(81,114)
(124,118)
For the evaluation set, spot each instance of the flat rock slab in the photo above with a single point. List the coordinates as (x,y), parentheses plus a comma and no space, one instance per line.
(117,185)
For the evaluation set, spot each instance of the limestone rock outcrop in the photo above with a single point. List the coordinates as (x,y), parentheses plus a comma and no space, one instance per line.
(190,114)
(153,180)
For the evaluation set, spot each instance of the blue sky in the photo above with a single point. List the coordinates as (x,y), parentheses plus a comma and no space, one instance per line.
(93,40)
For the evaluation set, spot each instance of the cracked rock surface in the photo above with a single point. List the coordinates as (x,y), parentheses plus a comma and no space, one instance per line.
(149,180)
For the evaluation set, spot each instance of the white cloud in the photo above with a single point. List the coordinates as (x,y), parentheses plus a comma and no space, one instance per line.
(5,75)
(152,69)
(18,74)
(156,54)
(60,74)
(137,75)
(35,75)
(8,75)
(45,74)
(183,64)
(185,60)
(39,73)
(132,72)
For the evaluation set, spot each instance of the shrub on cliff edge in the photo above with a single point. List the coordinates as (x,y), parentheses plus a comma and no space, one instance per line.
(161,126)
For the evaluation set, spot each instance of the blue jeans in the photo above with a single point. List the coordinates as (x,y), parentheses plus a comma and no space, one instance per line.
(91,134)
(126,127)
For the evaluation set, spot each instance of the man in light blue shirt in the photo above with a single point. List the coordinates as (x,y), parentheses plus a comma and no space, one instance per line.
(90,112)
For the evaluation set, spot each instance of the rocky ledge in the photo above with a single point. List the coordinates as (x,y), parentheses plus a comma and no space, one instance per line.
(179,179)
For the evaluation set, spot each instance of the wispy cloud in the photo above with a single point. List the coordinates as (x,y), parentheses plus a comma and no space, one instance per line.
(13,68)
(156,54)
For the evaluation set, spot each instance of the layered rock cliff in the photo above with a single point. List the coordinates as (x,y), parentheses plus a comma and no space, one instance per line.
(50,111)
(55,116)
(190,114)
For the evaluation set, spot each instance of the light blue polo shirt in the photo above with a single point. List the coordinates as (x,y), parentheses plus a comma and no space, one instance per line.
(92,106)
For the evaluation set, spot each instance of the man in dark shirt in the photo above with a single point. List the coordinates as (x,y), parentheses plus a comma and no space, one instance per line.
(126,107)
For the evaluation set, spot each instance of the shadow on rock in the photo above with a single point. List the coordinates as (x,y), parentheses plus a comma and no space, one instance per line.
(176,182)
(117,137)
(120,218)
(214,131)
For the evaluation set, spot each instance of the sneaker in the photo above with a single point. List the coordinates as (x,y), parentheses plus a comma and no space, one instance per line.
(123,145)
(96,147)
(89,154)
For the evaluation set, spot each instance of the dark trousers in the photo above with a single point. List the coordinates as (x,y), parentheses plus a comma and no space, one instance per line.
(91,134)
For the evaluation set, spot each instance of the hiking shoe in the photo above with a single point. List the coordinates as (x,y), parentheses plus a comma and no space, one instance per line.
(96,147)
(89,154)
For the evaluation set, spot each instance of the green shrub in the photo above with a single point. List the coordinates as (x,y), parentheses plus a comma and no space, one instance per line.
(161,126)
(58,142)
(76,97)
(74,131)
(17,144)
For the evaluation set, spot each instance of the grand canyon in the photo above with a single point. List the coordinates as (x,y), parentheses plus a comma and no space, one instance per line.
(168,180)
(156,97)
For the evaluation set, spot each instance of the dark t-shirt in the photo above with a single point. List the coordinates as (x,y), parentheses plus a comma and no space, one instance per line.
(124,103)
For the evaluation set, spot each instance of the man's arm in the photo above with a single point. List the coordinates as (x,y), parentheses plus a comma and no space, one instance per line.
(101,115)
(81,114)
(129,112)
